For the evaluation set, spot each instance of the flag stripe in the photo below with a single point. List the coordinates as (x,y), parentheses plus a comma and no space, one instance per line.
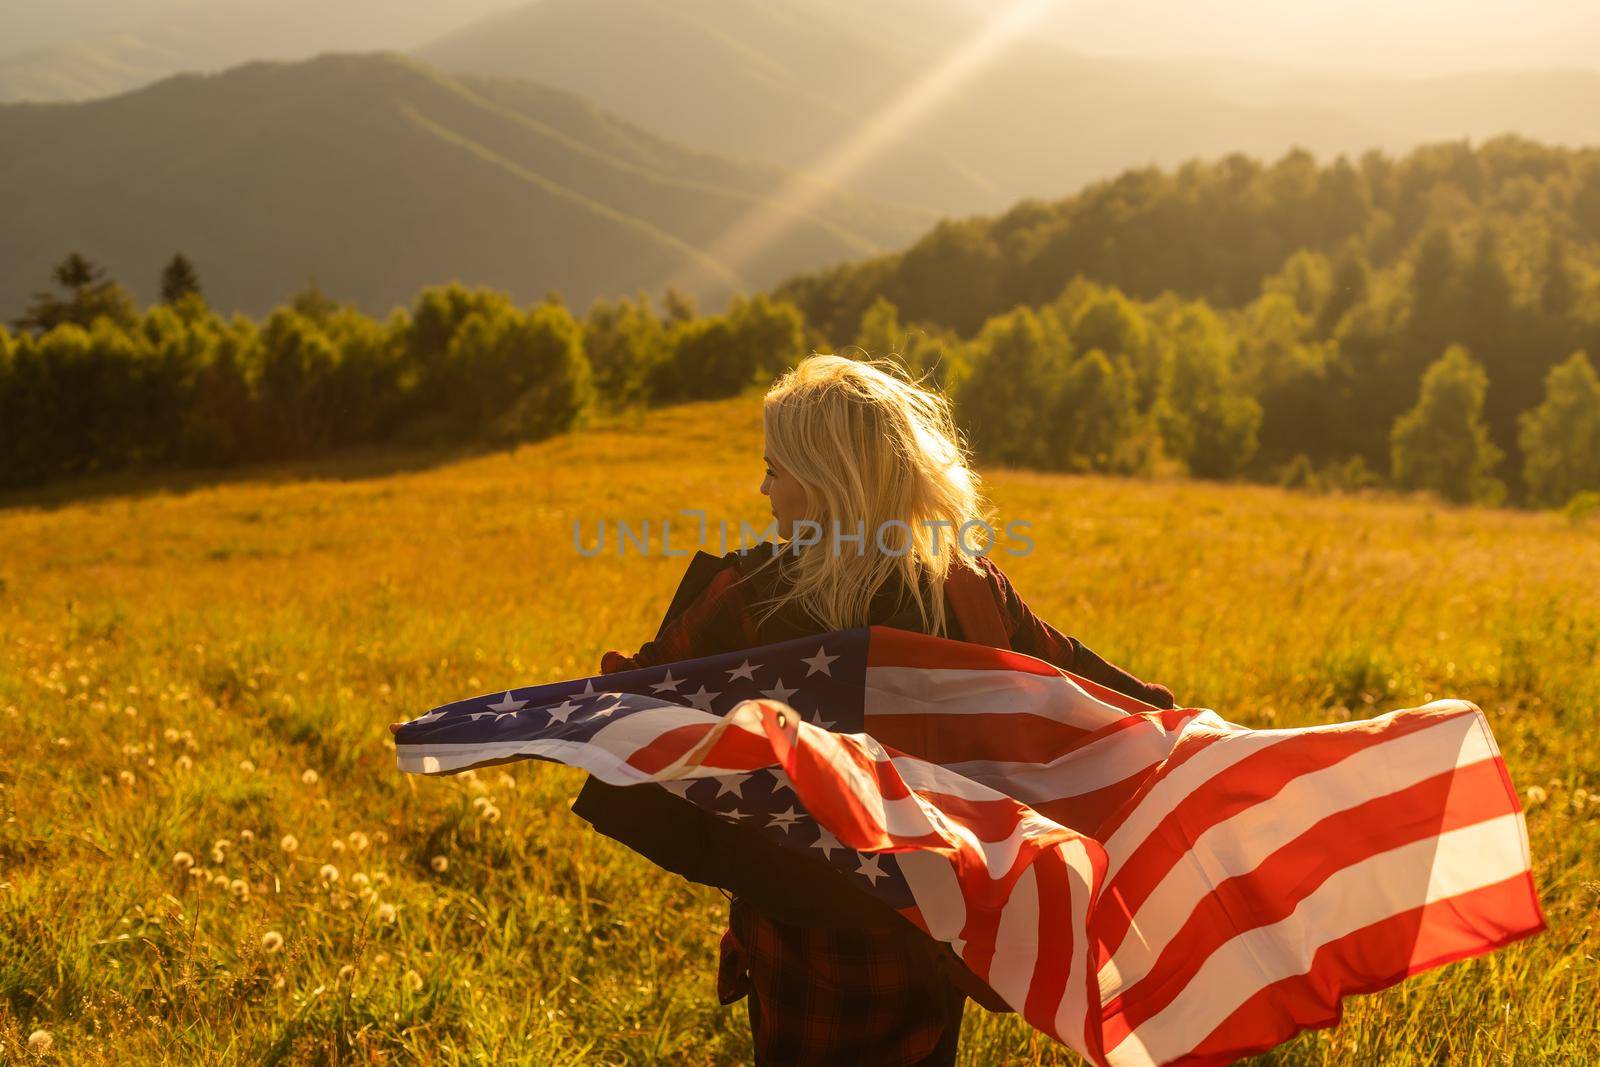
(1389,883)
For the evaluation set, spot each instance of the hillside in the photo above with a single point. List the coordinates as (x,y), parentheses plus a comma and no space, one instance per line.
(378,175)
(794,81)
(55,50)
(207,668)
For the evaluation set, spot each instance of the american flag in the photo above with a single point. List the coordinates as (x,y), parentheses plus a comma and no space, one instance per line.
(1143,886)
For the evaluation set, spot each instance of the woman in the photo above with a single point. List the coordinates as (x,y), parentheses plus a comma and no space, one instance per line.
(833,977)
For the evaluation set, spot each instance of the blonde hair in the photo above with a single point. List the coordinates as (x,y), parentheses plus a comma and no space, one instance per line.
(873,450)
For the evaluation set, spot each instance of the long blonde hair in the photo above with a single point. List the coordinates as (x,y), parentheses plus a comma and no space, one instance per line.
(875,452)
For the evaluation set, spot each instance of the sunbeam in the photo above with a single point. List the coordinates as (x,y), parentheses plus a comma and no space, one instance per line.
(739,245)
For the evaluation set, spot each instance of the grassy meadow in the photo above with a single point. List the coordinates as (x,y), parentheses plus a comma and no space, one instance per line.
(207,854)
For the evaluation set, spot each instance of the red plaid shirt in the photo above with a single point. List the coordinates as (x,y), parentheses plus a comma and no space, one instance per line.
(827,995)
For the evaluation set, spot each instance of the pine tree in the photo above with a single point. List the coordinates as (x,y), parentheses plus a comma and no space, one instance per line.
(1442,443)
(179,279)
(91,296)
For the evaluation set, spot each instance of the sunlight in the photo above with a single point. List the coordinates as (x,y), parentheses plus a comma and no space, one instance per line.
(775,215)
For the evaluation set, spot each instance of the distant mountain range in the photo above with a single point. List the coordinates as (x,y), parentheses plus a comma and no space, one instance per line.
(52,50)
(600,146)
(378,176)
(793,80)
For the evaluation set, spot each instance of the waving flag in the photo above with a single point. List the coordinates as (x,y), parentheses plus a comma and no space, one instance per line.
(1144,886)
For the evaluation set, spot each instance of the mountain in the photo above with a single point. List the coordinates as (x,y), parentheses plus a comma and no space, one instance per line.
(378,176)
(56,50)
(795,80)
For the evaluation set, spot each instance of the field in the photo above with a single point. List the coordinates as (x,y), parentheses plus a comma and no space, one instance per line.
(203,668)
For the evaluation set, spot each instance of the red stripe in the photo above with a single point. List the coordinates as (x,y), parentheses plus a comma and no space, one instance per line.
(1015,737)
(888,647)
(1372,958)
(1054,959)
(1273,890)
(669,745)
(1256,779)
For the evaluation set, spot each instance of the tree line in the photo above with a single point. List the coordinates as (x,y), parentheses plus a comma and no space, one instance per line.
(1429,331)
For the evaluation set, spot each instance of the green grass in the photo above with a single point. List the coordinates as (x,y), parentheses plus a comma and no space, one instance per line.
(176,659)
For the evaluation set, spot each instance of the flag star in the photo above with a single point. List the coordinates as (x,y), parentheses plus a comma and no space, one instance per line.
(678,786)
(560,712)
(826,724)
(870,870)
(743,670)
(730,783)
(668,684)
(506,705)
(785,819)
(819,662)
(702,699)
(588,690)
(607,711)
(827,843)
(778,692)
(734,813)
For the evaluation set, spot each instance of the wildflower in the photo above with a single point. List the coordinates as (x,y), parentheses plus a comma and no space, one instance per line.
(239,888)
(358,840)
(198,872)
(309,776)
(482,802)
(271,941)
(1537,796)
(329,873)
(247,836)
(40,1042)
(171,735)
(217,853)
(360,879)
(183,763)
(338,845)
(220,879)
(380,959)
(347,971)
(386,913)
(246,766)
(289,843)
(506,780)
(413,981)
(440,864)
(491,814)
(182,860)
(125,777)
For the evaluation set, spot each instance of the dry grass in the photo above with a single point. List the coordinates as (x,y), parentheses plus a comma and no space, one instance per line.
(176,662)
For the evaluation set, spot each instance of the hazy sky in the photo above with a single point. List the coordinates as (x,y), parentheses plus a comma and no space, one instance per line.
(1398,36)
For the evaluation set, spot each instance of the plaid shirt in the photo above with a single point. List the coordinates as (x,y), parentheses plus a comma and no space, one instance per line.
(852,994)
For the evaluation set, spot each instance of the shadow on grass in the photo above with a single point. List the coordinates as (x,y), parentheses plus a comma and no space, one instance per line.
(356,463)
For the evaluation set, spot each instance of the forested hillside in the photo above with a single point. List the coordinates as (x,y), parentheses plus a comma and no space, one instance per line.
(1426,322)
(1306,299)
(379,175)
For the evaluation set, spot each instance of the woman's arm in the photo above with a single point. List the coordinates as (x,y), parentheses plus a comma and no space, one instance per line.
(1032,636)
(706,617)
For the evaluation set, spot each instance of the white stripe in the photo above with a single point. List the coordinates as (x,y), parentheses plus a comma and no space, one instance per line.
(1399,880)
(1129,752)
(1238,845)
(959,691)
(937,892)
(1232,744)
(1072,1014)
(1016,941)
(604,755)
